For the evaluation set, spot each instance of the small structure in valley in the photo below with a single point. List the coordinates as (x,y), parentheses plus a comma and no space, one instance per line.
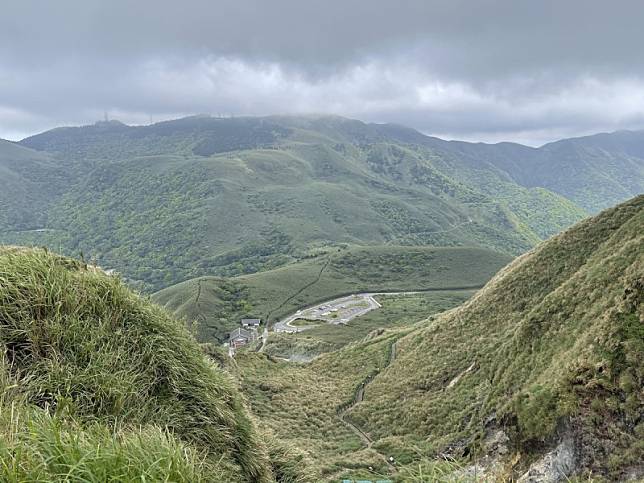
(251,323)
(240,337)
(245,334)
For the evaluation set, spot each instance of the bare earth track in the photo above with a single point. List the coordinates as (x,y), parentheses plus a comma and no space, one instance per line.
(358,397)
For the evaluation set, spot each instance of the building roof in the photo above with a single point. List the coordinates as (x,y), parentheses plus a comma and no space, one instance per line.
(237,333)
(250,321)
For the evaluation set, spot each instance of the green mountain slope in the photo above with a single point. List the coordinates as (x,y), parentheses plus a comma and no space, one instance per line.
(98,384)
(207,196)
(594,172)
(29,181)
(217,304)
(553,341)
(547,357)
(165,218)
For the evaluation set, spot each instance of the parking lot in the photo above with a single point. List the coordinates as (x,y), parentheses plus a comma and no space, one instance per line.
(337,311)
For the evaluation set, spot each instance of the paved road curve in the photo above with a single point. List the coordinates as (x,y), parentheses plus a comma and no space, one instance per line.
(336,311)
(344,309)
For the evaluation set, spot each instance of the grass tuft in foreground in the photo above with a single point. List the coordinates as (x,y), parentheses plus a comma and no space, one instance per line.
(102,385)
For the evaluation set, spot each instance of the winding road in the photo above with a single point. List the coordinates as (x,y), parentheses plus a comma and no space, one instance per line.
(316,312)
(285,325)
(345,309)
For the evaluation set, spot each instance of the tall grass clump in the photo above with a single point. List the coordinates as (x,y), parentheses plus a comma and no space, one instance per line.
(38,446)
(92,365)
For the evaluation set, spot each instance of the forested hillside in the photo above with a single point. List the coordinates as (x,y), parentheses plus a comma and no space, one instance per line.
(29,182)
(211,196)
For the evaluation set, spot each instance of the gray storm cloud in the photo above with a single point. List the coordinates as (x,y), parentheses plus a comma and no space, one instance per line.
(486,70)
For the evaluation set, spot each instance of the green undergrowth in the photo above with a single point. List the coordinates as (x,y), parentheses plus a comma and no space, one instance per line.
(101,385)
(38,446)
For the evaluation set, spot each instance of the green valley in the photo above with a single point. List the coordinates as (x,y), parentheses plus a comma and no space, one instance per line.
(224,219)
(530,366)
(321,242)
(217,304)
(529,376)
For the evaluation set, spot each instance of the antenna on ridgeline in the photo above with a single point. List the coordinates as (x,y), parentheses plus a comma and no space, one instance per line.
(105,116)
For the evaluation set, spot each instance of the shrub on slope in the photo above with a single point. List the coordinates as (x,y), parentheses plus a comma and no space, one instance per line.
(101,376)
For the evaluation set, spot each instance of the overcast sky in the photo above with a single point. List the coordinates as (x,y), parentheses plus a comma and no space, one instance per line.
(528,71)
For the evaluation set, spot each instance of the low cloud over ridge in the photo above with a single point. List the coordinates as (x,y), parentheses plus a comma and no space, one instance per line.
(491,70)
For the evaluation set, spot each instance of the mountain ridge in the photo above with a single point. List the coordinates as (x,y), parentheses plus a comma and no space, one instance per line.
(158,203)
(572,311)
(384,126)
(626,149)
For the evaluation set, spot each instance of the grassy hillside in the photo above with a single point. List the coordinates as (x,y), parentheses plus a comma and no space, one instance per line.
(547,355)
(205,196)
(217,304)
(99,385)
(300,403)
(29,181)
